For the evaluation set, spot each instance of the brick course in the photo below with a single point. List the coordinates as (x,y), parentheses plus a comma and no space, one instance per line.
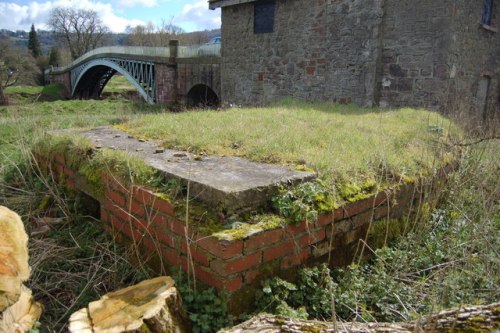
(147,221)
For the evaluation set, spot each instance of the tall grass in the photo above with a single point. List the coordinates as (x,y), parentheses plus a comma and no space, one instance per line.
(336,140)
(73,261)
(451,259)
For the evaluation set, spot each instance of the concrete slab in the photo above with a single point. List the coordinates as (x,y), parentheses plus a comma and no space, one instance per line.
(228,184)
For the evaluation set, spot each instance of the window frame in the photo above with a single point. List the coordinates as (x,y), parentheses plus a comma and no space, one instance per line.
(264,22)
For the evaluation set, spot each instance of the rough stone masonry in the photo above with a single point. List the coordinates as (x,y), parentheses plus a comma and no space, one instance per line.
(432,54)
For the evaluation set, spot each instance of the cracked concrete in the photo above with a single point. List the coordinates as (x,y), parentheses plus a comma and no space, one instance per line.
(228,184)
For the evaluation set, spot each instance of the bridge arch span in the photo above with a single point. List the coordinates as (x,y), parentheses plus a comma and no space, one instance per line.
(89,79)
(202,95)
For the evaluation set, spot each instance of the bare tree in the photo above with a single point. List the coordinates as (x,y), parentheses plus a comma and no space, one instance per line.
(16,66)
(81,30)
(153,35)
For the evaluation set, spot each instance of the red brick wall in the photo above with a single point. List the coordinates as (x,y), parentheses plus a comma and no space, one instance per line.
(151,224)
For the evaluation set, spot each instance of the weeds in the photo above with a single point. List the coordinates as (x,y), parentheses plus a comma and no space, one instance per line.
(305,201)
(340,142)
(451,259)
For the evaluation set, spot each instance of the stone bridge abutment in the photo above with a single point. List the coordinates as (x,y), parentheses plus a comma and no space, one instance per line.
(160,75)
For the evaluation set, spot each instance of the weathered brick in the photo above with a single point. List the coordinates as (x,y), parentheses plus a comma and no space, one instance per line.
(297,228)
(143,195)
(279,250)
(164,237)
(198,256)
(228,267)
(338,228)
(311,238)
(177,227)
(164,206)
(321,249)
(221,248)
(295,259)
(263,239)
(210,279)
(362,205)
(118,212)
(159,221)
(363,218)
(136,209)
(104,215)
(125,228)
(252,275)
(381,212)
(117,198)
(71,183)
(327,218)
(59,158)
(69,172)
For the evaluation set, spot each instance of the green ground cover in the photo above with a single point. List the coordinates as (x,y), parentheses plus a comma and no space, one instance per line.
(346,145)
(451,259)
(118,85)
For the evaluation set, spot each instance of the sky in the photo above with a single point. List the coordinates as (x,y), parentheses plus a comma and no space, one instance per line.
(191,15)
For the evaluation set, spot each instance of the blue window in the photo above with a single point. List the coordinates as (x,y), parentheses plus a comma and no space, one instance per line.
(263,21)
(487,12)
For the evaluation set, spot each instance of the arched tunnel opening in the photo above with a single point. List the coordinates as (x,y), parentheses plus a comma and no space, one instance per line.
(202,96)
(93,81)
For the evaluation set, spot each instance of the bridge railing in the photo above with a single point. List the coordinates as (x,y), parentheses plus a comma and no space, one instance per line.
(192,51)
(163,52)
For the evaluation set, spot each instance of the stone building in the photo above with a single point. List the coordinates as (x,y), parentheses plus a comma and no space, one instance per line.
(425,53)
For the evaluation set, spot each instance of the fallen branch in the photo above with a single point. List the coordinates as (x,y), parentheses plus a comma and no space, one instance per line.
(481,318)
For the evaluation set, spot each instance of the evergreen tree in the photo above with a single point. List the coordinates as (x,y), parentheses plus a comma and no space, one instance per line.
(54,57)
(34,43)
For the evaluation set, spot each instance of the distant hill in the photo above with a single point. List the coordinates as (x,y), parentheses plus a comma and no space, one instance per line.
(48,38)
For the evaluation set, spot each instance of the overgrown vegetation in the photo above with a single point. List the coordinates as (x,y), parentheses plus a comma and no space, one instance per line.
(73,260)
(449,260)
(347,145)
(305,201)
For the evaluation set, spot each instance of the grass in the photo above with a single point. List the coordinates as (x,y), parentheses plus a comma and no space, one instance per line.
(73,261)
(118,85)
(451,259)
(338,141)
(26,94)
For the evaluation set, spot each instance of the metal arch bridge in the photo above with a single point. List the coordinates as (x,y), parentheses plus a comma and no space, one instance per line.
(89,74)
(90,78)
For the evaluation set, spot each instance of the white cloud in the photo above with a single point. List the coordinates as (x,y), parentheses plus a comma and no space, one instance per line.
(20,17)
(199,16)
(142,3)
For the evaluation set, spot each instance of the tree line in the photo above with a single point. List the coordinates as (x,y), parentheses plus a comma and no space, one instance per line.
(76,32)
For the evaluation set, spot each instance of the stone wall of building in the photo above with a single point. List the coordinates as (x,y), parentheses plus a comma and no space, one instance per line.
(434,55)
(427,53)
(291,61)
(353,52)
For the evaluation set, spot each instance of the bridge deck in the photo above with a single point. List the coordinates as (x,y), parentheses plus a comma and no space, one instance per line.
(230,183)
